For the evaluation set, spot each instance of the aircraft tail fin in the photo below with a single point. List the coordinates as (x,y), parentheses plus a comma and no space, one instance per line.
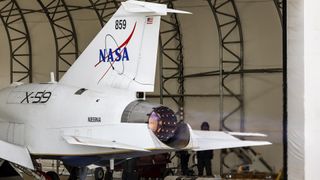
(123,54)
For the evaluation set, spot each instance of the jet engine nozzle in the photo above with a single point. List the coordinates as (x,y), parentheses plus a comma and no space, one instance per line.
(161,120)
(163,123)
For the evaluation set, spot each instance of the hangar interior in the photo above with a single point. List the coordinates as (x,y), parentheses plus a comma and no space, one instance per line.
(222,64)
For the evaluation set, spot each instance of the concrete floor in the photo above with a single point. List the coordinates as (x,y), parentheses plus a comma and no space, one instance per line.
(25,177)
(92,178)
(61,178)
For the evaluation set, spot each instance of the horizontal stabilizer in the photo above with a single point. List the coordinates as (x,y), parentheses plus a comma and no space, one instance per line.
(177,11)
(242,134)
(146,7)
(220,140)
(15,154)
(85,141)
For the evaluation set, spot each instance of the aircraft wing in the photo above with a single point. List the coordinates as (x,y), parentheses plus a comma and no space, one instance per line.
(205,140)
(16,154)
(86,141)
(244,134)
(141,138)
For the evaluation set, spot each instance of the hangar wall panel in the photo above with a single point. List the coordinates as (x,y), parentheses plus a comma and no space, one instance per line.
(263,92)
(42,41)
(5,58)
(312,88)
(296,90)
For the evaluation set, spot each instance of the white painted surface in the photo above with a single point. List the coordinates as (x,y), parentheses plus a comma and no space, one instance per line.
(312,88)
(15,154)
(296,88)
(303,90)
(219,140)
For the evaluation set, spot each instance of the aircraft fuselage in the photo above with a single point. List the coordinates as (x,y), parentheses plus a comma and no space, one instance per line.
(38,115)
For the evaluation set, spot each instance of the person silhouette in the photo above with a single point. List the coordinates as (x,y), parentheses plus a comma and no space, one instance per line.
(204,157)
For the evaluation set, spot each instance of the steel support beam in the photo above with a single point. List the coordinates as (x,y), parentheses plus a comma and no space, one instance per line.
(171,68)
(245,71)
(171,60)
(19,41)
(230,57)
(104,9)
(279,6)
(231,72)
(64,33)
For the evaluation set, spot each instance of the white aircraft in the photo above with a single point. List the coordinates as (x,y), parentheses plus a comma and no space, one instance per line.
(93,114)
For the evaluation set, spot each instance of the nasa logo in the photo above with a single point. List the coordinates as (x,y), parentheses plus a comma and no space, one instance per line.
(120,54)
(115,53)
